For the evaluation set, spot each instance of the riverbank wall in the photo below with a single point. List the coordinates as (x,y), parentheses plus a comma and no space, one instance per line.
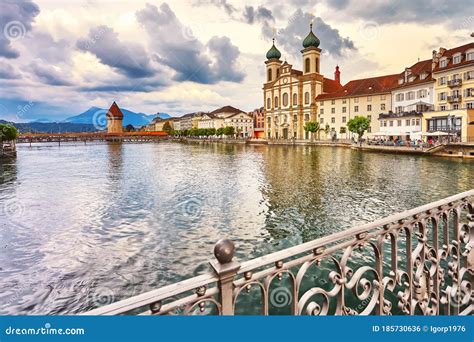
(461,150)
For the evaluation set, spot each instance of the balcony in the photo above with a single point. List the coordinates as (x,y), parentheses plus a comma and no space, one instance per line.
(454,98)
(417,262)
(455,83)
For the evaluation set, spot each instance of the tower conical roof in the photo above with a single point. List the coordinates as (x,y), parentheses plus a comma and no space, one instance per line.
(311,39)
(273,53)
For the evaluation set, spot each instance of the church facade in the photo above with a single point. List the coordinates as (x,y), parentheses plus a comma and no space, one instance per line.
(289,95)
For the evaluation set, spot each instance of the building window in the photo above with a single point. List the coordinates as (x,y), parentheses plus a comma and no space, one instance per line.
(321,120)
(344,109)
(382,106)
(306,117)
(321,103)
(295,118)
(321,111)
(333,120)
(442,96)
(442,108)
(307,65)
(276,101)
(295,99)
(442,80)
(269,75)
(470,105)
(343,119)
(369,117)
(399,109)
(400,97)
(369,98)
(469,75)
(317,64)
(356,109)
(390,123)
(469,92)
(344,101)
(356,100)
(470,56)
(382,97)
(407,122)
(457,59)
(333,102)
(455,106)
(333,110)
(417,122)
(421,93)
(443,63)
(411,95)
(306,98)
(269,103)
(369,108)
(285,99)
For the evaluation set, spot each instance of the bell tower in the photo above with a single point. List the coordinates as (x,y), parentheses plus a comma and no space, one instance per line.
(311,53)
(273,63)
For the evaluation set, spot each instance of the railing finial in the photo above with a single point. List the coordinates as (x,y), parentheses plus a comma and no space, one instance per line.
(224,251)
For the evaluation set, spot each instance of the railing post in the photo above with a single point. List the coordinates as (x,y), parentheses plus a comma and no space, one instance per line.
(226,269)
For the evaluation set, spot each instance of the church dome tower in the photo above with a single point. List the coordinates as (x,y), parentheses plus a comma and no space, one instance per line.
(273,63)
(311,53)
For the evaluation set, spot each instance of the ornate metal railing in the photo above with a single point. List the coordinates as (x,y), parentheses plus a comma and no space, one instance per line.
(420,261)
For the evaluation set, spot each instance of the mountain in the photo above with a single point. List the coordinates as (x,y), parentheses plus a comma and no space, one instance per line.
(96,114)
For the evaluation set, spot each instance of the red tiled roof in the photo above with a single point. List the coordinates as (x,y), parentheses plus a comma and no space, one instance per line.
(114,112)
(416,70)
(226,109)
(330,86)
(450,53)
(365,86)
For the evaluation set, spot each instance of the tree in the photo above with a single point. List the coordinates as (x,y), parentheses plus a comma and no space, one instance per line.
(229,130)
(312,127)
(167,127)
(8,132)
(220,131)
(358,125)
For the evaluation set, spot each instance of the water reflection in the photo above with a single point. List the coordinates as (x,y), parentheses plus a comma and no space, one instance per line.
(103,222)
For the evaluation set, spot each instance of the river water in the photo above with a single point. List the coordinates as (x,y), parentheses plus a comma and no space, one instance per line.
(82,226)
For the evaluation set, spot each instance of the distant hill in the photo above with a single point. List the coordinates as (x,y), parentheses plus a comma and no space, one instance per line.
(51,127)
(130,118)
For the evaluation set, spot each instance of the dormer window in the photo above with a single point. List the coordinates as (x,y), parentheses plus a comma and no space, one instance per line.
(423,76)
(400,81)
(411,79)
(457,59)
(470,55)
(443,63)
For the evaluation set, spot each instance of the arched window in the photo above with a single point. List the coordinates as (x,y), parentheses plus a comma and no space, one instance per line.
(276,101)
(278,72)
(307,65)
(317,65)
(306,98)
(295,99)
(269,103)
(285,99)
(269,75)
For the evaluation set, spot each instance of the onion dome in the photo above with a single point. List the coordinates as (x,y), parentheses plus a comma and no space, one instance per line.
(273,53)
(311,39)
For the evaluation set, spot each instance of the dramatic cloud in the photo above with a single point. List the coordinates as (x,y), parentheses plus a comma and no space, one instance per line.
(49,74)
(175,46)
(229,9)
(129,59)
(403,11)
(16,17)
(7,71)
(291,37)
(252,15)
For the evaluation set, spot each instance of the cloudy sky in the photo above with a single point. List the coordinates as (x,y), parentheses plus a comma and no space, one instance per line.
(58,58)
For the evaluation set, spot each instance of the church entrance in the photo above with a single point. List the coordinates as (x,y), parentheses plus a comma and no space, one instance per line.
(285,133)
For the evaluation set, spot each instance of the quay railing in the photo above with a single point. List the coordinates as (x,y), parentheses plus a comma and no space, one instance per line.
(417,262)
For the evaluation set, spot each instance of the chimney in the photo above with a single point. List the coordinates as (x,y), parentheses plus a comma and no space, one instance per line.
(337,75)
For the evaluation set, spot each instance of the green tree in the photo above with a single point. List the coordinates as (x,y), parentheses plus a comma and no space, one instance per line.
(312,127)
(167,127)
(229,130)
(220,131)
(358,125)
(8,132)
